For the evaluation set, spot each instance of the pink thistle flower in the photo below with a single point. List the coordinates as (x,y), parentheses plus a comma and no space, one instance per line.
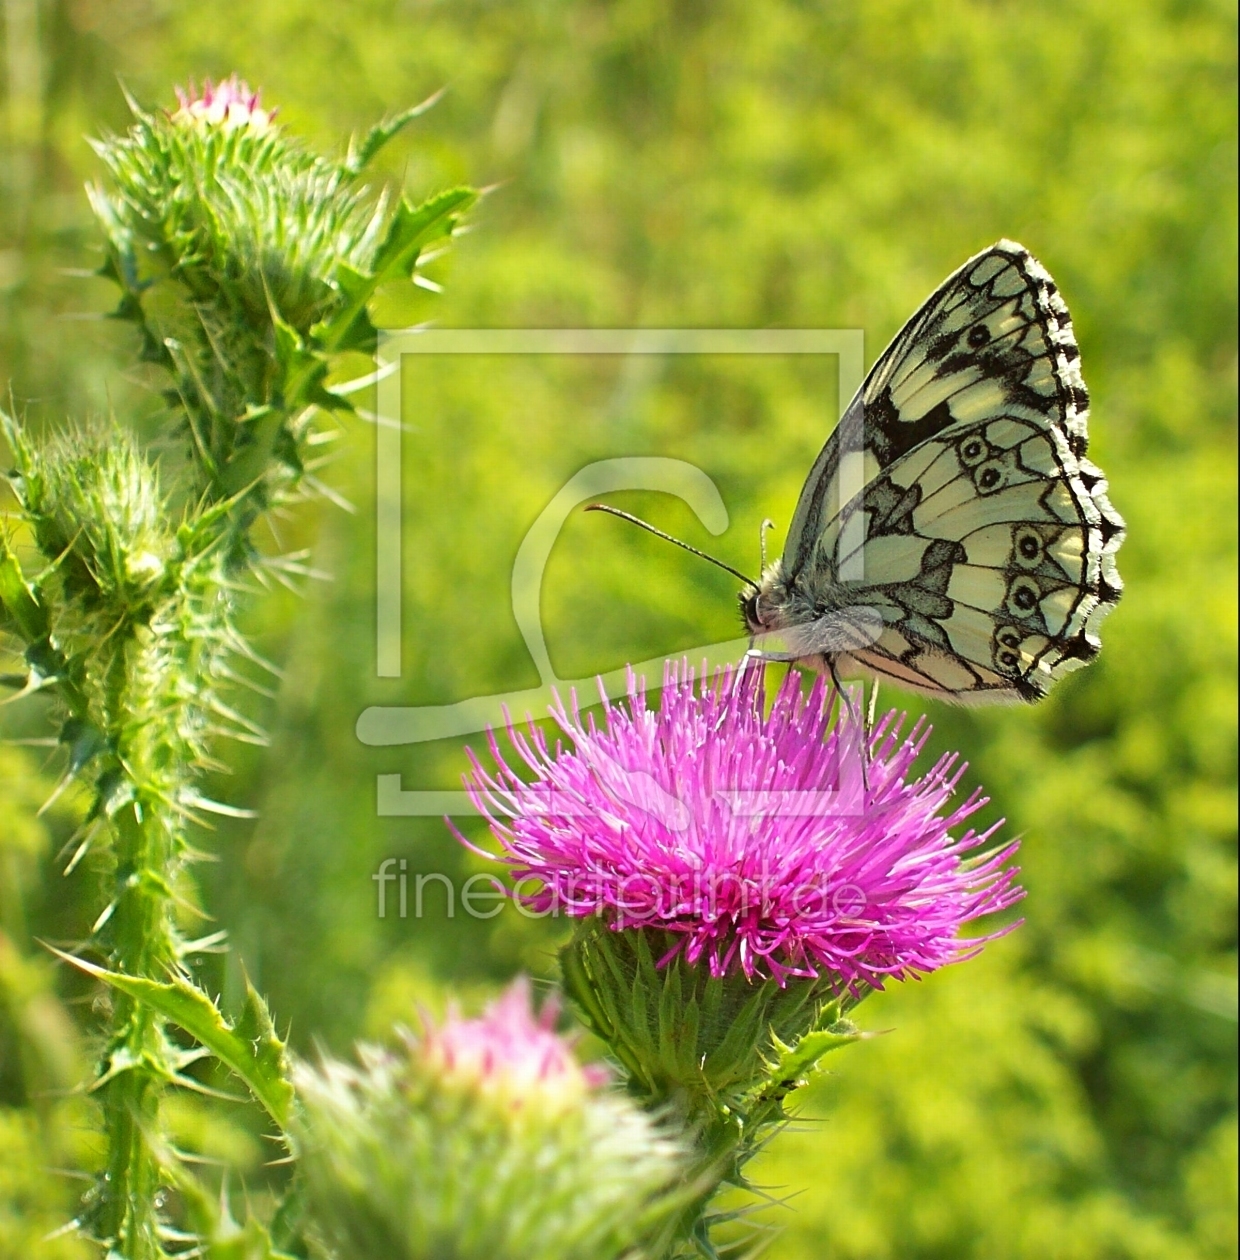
(508,1054)
(754,839)
(228,104)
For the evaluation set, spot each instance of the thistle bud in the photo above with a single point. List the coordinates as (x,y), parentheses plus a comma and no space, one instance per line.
(247,261)
(483,1139)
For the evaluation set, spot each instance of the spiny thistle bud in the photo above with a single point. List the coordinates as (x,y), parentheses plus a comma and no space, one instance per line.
(483,1140)
(94,504)
(127,621)
(247,261)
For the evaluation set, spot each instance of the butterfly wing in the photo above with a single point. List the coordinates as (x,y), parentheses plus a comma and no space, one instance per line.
(955,498)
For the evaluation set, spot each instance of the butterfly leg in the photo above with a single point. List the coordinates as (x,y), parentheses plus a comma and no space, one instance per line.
(774,658)
(854,718)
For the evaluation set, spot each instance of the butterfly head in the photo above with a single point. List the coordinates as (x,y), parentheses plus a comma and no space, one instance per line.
(763,603)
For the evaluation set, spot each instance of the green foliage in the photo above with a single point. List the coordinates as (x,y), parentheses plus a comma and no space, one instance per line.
(31,1202)
(967,1133)
(41,1124)
(1072,1092)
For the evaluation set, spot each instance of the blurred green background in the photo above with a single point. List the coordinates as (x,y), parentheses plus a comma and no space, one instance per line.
(692,164)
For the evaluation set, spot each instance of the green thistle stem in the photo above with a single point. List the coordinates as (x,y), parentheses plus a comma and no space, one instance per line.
(112,625)
(145,944)
(720,1053)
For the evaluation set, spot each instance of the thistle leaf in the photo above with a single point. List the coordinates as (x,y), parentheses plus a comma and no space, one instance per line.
(221,1237)
(19,600)
(250,1049)
(411,228)
(415,226)
(793,1064)
(361,153)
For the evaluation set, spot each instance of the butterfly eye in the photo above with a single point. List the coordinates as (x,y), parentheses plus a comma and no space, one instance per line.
(1023,595)
(1028,546)
(972,451)
(979,335)
(749,610)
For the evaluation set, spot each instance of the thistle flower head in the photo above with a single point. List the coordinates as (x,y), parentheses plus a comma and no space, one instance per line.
(228,104)
(754,839)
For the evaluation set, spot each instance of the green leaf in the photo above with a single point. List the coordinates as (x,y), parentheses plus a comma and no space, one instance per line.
(220,1237)
(415,226)
(302,369)
(411,228)
(360,154)
(251,1049)
(255,1027)
(286,1223)
(794,1063)
(19,599)
(250,1241)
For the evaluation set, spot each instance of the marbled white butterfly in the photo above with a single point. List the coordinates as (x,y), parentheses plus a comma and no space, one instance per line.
(951,535)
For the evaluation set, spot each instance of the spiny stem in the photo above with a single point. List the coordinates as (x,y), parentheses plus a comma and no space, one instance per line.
(145,944)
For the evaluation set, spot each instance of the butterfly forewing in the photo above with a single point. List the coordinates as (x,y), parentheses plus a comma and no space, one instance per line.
(954,498)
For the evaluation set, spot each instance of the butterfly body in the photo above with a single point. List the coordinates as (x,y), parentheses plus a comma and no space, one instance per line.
(951,535)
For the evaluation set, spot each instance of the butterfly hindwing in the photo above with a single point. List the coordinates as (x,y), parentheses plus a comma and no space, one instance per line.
(1001,565)
(955,501)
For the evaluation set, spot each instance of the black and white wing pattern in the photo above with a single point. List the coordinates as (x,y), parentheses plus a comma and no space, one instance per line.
(952,519)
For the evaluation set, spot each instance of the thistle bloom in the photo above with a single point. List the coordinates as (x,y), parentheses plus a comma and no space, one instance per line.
(229,104)
(757,841)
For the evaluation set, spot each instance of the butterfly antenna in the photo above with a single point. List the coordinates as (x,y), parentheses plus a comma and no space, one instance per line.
(658,533)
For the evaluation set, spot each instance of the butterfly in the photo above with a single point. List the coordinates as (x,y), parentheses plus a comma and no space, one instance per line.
(952,536)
